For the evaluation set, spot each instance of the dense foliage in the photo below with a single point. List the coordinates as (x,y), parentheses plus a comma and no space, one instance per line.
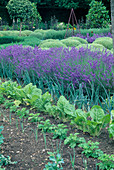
(97,16)
(72,65)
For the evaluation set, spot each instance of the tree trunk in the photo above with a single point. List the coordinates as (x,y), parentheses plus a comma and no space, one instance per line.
(20,29)
(112,21)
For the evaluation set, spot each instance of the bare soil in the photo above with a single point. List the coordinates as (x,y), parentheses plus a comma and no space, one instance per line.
(32,155)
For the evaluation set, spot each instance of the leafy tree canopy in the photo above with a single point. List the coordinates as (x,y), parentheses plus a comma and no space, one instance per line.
(21,9)
(61,3)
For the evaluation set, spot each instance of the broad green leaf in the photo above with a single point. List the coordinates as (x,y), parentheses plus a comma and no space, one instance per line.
(96,113)
(62,102)
(106,119)
(17,102)
(112,112)
(80,112)
(70,110)
(111,130)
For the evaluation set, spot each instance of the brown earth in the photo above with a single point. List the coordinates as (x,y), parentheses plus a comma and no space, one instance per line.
(32,155)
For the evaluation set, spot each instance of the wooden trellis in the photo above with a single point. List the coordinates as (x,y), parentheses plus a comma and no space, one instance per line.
(73,18)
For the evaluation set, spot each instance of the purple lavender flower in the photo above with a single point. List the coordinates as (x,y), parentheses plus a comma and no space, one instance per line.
(76,66)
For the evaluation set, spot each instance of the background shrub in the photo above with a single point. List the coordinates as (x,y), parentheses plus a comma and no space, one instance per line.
(93,31)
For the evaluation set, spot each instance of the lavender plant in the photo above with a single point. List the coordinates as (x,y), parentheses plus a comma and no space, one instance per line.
(56,64)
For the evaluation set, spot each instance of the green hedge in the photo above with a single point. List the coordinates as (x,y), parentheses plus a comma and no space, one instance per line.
(10,39)
(52,44)
(105,41)
(81,40)
(37,35)
(70,42)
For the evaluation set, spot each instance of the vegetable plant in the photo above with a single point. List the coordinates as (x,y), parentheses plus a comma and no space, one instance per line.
(46,126)
(2,99)
(1,136)
(56,161)
(13,108)
(60,131)
(111,130)
(73,140)
(4,160)
(91,149)
(92,121)
(107,162)
(22,113)
(34,117)
(8,104)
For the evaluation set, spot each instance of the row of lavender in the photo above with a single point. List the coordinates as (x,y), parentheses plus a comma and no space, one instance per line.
(76,66)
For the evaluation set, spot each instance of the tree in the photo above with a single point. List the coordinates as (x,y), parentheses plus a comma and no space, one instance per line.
(35,14)
(97,16)
(20,9)
(112,21)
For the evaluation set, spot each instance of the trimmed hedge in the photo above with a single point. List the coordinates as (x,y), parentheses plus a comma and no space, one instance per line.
(27,32)
(52,44)
(94,47)
(70,42)
(105,41)
(81,40)
(37,35)
(49,40)
(10,39)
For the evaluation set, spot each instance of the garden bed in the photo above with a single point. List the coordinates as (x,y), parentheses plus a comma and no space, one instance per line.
(32,154)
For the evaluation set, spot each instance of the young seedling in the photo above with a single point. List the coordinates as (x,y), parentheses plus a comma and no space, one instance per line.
(56,161)
(46,126)
(22,113)
(35,118)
